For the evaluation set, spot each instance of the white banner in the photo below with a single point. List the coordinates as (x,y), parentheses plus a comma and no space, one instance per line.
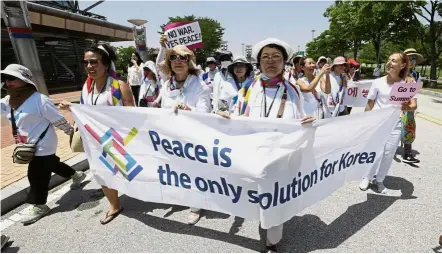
(356,93)
(184,33)
(265,169)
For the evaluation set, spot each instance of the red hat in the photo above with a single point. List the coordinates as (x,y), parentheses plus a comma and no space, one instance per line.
(353,62)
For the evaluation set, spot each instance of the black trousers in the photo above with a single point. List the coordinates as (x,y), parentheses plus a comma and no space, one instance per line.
(39,176)
(407,149)
(136,93)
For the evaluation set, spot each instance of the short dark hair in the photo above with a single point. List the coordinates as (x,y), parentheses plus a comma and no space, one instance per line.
(285,55)
(106,58)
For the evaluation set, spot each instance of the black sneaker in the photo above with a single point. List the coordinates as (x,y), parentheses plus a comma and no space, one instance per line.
(272,249)
(410,159)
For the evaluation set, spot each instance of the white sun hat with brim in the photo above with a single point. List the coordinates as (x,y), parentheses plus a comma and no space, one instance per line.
(412,53)
(20,72)
(320,59)
(260,45)
(151,66)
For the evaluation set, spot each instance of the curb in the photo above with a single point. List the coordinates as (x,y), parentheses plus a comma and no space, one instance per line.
(431,93)
(15,194)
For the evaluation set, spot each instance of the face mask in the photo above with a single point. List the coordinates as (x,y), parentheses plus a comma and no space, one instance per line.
(225,64)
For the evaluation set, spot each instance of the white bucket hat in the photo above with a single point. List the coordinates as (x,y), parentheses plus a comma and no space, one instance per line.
(20,72)
(260,45)
(151,66)
(239,59)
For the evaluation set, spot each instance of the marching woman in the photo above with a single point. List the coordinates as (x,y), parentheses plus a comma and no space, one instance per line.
(378,97)
(103,89)
(135,74)
(353,74)
(34,117)
(274,97)
(315,88)
(408,121)
(150,88)
(241,75)
(184,90)
(337,81)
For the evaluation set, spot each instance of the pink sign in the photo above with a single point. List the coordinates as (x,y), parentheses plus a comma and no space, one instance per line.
(184,33)
(403,92)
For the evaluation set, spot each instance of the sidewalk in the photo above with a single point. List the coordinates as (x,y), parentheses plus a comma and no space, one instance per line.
(10,172)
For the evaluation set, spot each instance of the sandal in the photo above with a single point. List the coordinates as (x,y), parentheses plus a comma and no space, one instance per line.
(110,217)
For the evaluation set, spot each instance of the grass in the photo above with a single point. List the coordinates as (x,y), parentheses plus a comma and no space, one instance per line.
(437,90)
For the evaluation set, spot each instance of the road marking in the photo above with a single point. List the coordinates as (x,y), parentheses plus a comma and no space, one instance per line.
(430,118)
(17,217)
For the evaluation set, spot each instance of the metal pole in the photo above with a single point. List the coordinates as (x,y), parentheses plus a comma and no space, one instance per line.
(243,50)
(20,32)
(92,6)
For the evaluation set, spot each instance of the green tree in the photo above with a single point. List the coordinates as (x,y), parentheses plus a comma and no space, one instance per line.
(383,21)
(329,43)
(124,55)
(123,58)
(211,31)
(344,20)
(433,32)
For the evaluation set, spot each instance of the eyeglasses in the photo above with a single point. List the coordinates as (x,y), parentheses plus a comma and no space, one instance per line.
(178,57)
(92,62)
(275,58)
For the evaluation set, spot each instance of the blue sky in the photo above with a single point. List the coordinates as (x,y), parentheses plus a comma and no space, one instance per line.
(244,22)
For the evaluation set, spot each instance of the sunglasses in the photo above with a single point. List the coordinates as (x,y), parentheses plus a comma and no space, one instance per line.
(92,62)
(179,57)
(413,60)
(8,78)
(240,65)
(210,62)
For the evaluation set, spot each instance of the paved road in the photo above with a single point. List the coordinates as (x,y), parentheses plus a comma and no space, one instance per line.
(348,221)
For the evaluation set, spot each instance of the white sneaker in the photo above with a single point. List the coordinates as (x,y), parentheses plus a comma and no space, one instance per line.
(193,217)
(35,213)
(364,184)
(381,188)
(77,179)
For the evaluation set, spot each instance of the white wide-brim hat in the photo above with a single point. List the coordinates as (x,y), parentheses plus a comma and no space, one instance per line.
(20,72)
(260,45)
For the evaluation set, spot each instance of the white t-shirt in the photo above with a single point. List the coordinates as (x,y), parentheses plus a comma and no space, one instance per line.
(194,94)
(273,95)
(380,93)
(32,118)
(134,76)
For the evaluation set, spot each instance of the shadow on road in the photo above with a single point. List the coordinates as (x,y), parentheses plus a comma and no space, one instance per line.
(8,249)
(301,234)
(309,233)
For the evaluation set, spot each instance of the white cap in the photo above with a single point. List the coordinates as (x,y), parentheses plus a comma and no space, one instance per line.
(20,72)
(258,46)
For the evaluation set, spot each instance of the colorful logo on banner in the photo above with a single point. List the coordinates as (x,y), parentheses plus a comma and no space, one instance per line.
(114,156)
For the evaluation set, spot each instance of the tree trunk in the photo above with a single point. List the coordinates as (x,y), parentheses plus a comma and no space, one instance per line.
(355,49)
(434,54)
(377,47)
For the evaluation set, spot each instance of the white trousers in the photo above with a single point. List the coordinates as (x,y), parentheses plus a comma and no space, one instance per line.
(274,234)
(387,157)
